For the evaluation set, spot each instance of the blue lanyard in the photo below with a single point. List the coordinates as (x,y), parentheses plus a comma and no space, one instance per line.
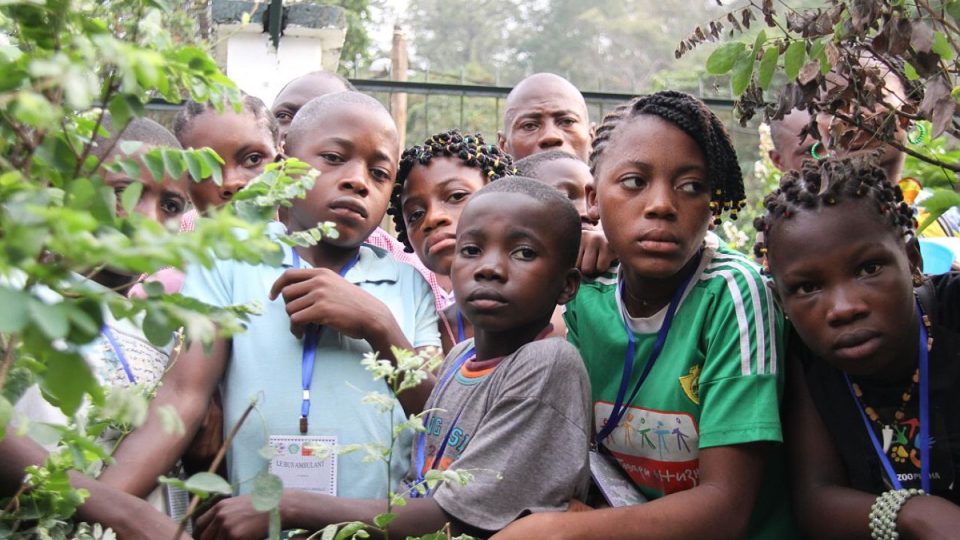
(619,407)
(924,442)
(421,457)
(310,338)
(112,341)
(461,335)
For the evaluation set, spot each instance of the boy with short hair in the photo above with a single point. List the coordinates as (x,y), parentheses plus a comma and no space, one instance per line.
(358,297)
(511,407)
(567,173)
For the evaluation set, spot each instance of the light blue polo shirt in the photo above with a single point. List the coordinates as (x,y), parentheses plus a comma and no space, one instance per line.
(265,364)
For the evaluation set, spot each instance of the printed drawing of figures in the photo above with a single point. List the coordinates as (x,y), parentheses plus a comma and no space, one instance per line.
(627,426)
(681,438)
(662,433)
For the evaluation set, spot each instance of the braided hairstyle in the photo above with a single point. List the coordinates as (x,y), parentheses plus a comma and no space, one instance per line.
(471,149)
(252,104)
(699,123)
(827,183)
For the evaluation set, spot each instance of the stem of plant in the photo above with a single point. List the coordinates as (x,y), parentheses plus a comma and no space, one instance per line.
(955,167)
(195,500)
(8,358)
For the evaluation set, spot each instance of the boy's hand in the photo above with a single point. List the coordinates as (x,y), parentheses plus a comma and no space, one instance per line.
(595,256)
(320,296)
(233,519)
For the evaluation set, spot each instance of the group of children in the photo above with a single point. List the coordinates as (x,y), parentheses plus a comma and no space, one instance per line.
(602,346)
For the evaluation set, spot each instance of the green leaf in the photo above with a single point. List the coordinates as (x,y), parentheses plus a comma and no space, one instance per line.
(761,39)
(793,59)
(13,316)
(173,162)
(329,532)
(742,72)
(194,166)
(768,64)
(158,327)
(349,530)
(213,163)
(154,162)
(208,483)
(910,72)
(67,379)
(52,319)
(938,203)
(266,493)
(131,196)
(383,520)
(941,46)
(6,413)
(723,58)
(129,147)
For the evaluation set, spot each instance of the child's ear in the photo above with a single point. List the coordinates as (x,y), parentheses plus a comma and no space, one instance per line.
(913,255)
(571,284)
(280,155)
(502,142)
(593,211)
(593,131)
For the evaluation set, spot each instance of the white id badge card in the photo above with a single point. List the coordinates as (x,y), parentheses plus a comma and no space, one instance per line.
(296,462)
(615,486)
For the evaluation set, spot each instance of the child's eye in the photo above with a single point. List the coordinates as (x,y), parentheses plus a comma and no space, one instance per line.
(524,254)
(693,187)
(632,182)
(870,269)
(253,160)
(458,196)
(469,251)
(805,288)
(173,207)
(381,175)
(530,126)
(330,157)
(283,116)
(414,217)
(566,121)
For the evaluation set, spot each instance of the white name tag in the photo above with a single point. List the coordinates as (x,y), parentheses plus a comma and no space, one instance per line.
(296,460)
(614,485)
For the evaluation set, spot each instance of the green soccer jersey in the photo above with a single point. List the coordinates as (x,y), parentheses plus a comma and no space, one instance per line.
(717,381)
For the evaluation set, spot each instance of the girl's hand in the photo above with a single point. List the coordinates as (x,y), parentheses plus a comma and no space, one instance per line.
(320,296)
(595,256)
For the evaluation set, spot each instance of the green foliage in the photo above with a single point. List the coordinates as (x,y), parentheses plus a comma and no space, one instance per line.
(63,224)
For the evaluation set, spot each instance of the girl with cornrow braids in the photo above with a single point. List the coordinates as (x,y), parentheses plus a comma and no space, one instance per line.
(433,184)
(682,344)
(873,415)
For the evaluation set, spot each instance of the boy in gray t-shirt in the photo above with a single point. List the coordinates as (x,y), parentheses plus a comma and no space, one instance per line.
(509,407)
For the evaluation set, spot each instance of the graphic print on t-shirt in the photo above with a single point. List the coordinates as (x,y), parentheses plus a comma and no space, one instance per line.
(658,449)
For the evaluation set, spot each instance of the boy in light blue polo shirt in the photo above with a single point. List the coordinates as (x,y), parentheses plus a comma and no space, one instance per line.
(359,297)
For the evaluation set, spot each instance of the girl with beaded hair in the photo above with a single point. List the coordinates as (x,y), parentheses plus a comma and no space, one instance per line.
(873,409)
(682,344)
(434,181)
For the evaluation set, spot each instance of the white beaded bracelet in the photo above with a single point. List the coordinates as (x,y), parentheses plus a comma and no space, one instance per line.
(883,513)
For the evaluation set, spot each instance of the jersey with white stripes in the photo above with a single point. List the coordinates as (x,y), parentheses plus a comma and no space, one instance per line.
(717,382)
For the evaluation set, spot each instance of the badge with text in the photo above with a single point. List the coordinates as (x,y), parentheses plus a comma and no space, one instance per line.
(614,485)
(305,463)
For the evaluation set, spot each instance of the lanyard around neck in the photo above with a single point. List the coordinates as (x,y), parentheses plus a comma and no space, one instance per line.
(420,455)
(620,406)
(310,338)
(461,335)
(924,436)
(118,351)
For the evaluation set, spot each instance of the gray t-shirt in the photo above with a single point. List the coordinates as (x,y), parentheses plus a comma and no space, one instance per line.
(526,419)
